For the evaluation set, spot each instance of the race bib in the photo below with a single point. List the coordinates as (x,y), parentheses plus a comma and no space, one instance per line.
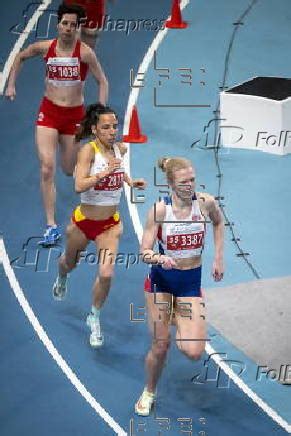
(112,182)
(63,69)
(185,242)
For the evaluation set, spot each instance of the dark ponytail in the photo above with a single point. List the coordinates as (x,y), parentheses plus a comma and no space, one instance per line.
(93,112)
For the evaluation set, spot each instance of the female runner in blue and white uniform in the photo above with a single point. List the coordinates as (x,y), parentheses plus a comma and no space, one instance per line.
(99,178)
(174,283)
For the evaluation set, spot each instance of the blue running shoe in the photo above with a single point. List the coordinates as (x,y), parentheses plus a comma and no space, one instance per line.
(50,237)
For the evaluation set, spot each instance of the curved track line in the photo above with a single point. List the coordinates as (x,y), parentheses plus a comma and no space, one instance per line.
(139,229)
(19,43)
(4,259)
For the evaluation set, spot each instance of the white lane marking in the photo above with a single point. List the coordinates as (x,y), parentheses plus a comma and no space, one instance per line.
(4,259)
(139,229)
(20,41)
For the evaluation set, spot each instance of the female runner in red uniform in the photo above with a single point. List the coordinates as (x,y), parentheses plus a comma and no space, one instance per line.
(178,223)
(99,179)
(61,111)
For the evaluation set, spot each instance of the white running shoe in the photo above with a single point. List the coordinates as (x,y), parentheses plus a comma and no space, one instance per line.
(96,337)
(145,403)
(60,288)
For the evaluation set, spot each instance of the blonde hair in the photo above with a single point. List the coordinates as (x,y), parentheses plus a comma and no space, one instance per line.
(171,164)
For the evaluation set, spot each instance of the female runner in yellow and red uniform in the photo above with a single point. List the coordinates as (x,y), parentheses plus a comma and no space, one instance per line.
(99,178)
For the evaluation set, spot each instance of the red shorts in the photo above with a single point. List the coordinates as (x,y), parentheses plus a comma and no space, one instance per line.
(65,120)
(93,228)
(95,11)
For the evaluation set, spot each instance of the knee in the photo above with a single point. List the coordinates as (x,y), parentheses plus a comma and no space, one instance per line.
(193,352)
(47,171)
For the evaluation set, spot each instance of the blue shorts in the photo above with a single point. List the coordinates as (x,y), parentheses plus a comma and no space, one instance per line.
(179,283)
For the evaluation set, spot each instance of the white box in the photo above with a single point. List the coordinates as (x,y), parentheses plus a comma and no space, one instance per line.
(256,115)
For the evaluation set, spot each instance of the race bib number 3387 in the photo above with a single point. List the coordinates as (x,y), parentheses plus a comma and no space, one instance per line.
(185,242)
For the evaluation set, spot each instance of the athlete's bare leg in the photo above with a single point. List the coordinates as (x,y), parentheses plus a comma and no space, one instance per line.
(76,242)
(90,37)
(46,141)
(158,310)
(107,243)
(159,314)
(191,326)
(68,153)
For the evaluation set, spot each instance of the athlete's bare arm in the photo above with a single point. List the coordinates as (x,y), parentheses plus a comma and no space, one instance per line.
(89,57)
(83,181)
(134,183)
(215,215)
(156,216)
(122,148)
(37,49)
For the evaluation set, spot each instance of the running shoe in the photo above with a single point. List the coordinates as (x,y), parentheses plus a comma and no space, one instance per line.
(145,403)
(60,288)
(50,237)
(96,337)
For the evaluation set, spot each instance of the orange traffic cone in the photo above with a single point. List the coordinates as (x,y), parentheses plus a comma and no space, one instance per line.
(134,134)
(176,22)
